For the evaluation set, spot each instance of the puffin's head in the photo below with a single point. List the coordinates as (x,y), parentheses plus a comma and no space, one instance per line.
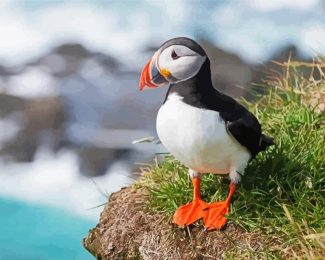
(176,60)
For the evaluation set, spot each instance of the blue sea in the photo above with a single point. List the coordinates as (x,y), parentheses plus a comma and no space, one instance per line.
(40,232)
(47,207)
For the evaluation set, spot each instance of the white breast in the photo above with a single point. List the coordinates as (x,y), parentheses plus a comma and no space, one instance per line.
(198,138)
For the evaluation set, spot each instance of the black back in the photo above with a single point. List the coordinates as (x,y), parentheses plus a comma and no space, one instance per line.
(198,91)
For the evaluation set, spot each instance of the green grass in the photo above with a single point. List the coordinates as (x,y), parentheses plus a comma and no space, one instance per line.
(282,192)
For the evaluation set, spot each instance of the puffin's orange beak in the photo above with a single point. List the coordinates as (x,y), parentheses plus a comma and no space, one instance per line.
(151,76)
(145,78)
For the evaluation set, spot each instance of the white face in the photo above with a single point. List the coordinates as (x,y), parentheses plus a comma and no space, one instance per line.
(180,61)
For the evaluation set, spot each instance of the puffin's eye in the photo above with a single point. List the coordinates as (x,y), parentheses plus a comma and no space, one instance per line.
(174,55)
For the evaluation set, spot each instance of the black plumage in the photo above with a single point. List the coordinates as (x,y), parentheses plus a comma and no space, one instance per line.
(198,91)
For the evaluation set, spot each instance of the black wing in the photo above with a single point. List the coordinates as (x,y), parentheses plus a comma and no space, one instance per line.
(242,124)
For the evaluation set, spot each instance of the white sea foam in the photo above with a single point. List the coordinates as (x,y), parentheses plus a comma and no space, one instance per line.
(115,29)
(32,83)
(55,180)
(313,35)
(258,27)
(280,4)
(255,29)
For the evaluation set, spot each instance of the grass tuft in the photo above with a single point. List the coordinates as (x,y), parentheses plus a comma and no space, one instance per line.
(282,192)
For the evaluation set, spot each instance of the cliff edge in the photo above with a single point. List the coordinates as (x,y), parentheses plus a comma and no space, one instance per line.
(126,230)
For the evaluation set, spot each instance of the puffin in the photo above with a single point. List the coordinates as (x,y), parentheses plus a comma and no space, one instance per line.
(205,129)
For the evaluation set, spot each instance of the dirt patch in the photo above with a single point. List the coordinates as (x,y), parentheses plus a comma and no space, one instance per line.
(126,230)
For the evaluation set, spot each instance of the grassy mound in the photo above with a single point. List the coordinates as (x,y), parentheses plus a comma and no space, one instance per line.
(282,192)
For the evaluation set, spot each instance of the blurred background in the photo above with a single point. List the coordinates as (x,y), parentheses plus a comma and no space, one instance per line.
(70,106)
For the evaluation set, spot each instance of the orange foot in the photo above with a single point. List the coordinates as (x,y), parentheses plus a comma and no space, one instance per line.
(214,217)
(189,213)
(215,213)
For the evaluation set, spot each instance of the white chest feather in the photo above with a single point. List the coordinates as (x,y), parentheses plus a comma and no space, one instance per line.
(198,138)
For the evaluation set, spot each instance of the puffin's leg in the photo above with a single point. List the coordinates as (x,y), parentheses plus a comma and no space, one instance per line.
(215,213)
(193,211)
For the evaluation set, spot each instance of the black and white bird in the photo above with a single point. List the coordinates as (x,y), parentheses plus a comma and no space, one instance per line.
(206,130)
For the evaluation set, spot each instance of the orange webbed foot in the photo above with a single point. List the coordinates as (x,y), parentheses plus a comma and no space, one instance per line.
(215,215)
(189,213)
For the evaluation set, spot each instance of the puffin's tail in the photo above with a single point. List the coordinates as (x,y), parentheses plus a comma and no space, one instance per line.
(265,142)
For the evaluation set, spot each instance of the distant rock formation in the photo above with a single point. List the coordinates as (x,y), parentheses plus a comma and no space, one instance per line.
(40,121)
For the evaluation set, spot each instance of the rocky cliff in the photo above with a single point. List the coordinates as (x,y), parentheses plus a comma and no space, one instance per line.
(127,230)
